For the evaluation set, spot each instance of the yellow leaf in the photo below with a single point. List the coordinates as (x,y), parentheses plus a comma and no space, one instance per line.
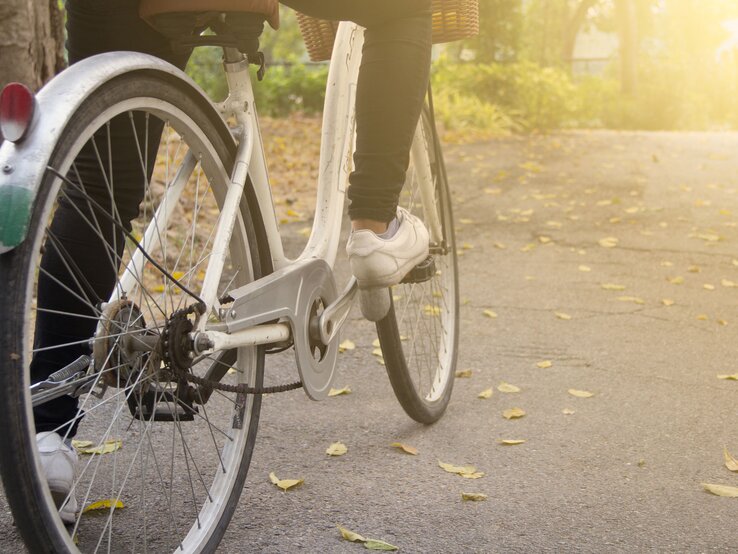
(667,302)
(554,224)
(464,373)
(346,345)
(513,413)
(707,286)
(103,505)
(350,535)
(544,239)
(500,246)
(608,242)
(285,484)
(508,388)
(727,283)
(405,448)
(580,393)
(377,352)
(336,449)
(730,462)
(694,269)
(511,442)
(568,411)
(721,490)
(612,286)
(633,299)
(473,496)
(468,472)
(105,448)
(374,544)
(545,364)
(564,316)
(733,377)
(466,221)
(338,392)
(722,322)
(178,275)
(486,393)
(158,288)
(81,444)
(490,313)
(678,280)
(702,317)
(585,268)
(432,310)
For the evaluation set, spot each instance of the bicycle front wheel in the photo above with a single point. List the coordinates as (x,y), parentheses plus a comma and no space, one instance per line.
(143,167)
(419,335)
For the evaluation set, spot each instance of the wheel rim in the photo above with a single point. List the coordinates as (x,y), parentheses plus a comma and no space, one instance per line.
(171,504)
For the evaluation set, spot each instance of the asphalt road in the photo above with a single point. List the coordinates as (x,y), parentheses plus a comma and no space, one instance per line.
(624,471)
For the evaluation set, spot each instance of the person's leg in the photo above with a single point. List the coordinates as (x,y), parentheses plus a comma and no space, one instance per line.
(93,26)
(392,84)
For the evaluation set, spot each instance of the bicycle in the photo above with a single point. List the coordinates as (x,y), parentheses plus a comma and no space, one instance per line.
(175,371)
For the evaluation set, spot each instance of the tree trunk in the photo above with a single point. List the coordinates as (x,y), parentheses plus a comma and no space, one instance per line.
(572,30)
(31,41)
(628,32)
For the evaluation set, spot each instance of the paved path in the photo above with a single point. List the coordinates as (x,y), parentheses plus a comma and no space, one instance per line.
(623,473)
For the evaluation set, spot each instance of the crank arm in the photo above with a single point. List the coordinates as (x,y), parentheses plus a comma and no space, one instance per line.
(334,316)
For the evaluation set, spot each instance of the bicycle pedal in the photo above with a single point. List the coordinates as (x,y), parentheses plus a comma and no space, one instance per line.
(374,303)
(422,272)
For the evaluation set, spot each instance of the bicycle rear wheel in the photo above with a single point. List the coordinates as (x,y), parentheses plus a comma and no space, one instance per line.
(168,457)
(419,335)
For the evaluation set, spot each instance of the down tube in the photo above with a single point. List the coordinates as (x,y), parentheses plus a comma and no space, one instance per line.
(337,143)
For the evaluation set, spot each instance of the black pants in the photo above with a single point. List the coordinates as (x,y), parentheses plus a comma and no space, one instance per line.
(392,84)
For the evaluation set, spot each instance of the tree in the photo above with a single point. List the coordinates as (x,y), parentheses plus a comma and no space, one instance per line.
(625,14)
(32,43)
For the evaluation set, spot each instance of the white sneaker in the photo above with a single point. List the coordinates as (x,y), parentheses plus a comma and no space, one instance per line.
(378,262)
(58,462)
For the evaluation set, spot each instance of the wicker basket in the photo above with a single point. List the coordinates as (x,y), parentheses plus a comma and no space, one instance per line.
(452,20)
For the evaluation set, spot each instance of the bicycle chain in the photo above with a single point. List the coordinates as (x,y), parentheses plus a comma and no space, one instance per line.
(210,383)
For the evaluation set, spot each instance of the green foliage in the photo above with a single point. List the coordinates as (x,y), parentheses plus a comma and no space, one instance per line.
(286,89)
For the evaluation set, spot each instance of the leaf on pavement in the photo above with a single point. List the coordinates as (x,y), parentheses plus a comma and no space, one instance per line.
(350,535)
(721,490)
(405,448)
(337,449)
(468,472)
(678,280)
(285,484)
(511,442)
(346,345)
(103,505)
(564,316)
(633,299)
(585,268)
(507,388)
(568,411)
(733,377)
(339,392)
(490,314)
(464,373)
(612,286)
(374,544)
(486,393)
(730,462)
(608,242)
(513,413)
(105,448)
(581,393)
(667,302)
(473,496)
(545,364)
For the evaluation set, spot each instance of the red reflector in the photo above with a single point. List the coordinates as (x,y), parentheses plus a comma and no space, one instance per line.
(16,111)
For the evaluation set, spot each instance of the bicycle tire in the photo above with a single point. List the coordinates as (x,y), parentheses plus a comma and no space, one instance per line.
(419,335)
(144,523)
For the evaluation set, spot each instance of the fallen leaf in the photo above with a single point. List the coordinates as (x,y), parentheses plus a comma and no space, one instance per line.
(733,377)
(702,317)
(374,544)
(721,490)
(285,484)
(564,316)
(473,496)
(585,268)
(338,392)
(633,299)
(486,393)
(103,505)
(568,411)
(678,280)
(513,413)
(694,269)
(667,302)
(722,322)
(337,449)
(511,442)
(508,388)
(608,242)
(612,286)
(346,345)
(580,393)
(464,373)
(468,472)
(727,283)
(350,535)
(544,364)
(405,448)
(708,286)
(490,313)
(105,448)
(375,343)
(730,462)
